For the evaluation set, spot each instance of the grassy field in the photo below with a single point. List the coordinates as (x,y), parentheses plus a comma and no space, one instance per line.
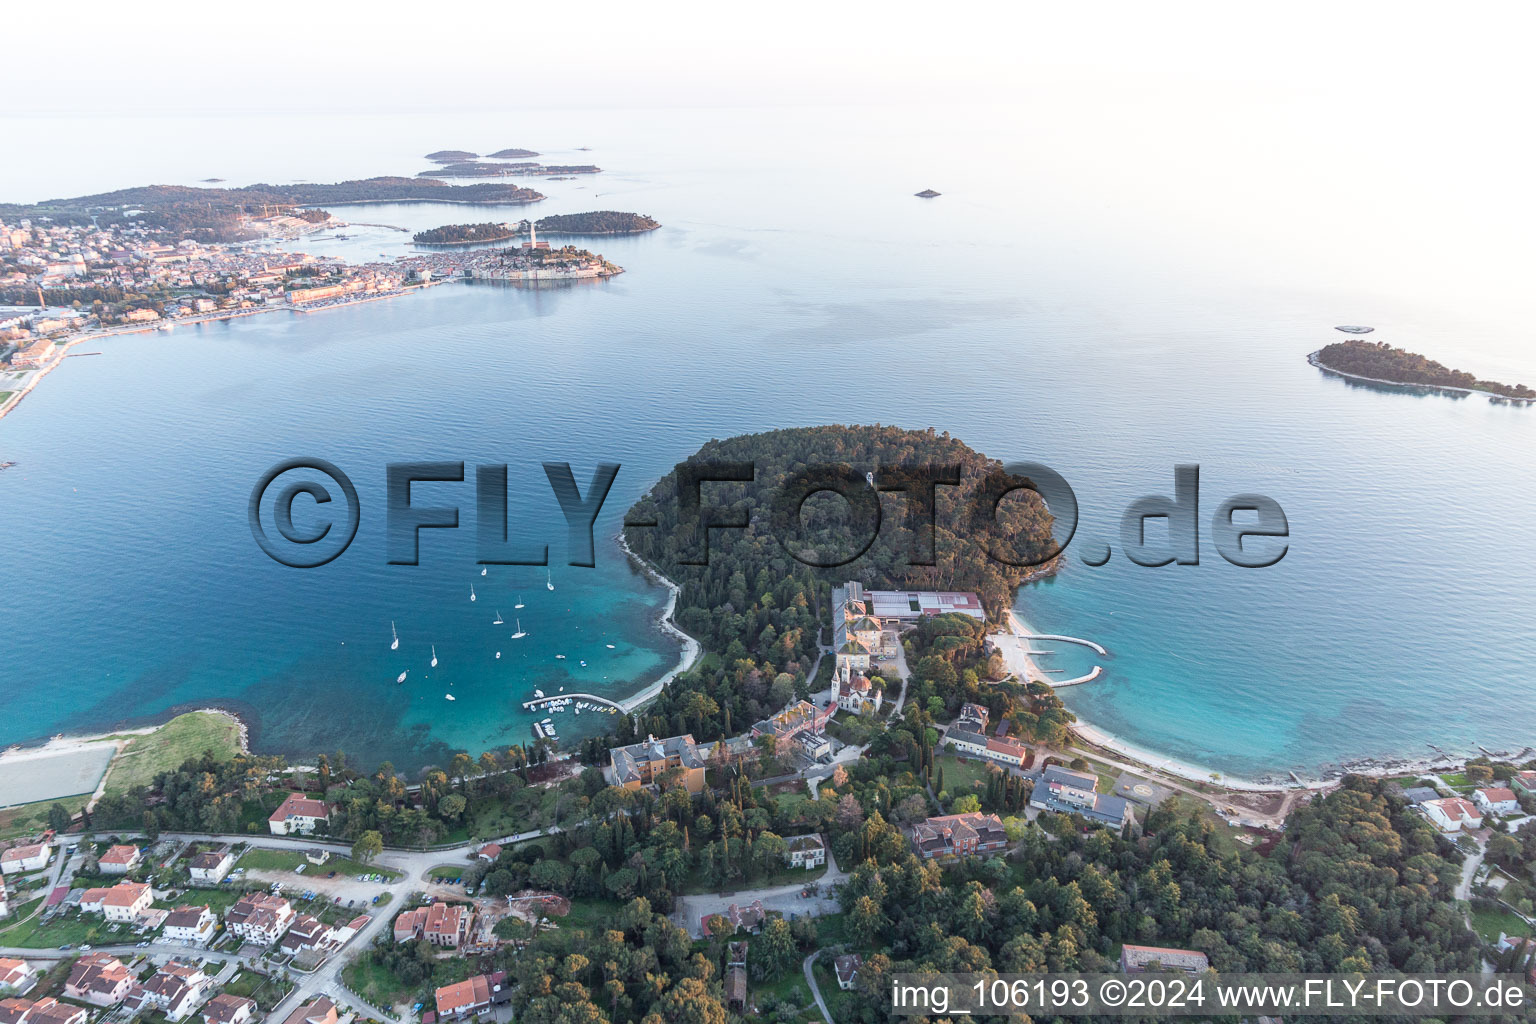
(71,930)
(590,914)
(287,860)
(267,992)
(183,737)
(961,777)
(449,872)
(30,819)
(383,989)
(1489,923)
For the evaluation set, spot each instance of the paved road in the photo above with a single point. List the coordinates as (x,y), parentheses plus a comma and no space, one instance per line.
(810,979)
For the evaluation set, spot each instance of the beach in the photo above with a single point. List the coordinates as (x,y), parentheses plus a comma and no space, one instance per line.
(691,647)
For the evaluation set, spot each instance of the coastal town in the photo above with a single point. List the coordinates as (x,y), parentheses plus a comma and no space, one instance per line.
(325,909)
(61,284)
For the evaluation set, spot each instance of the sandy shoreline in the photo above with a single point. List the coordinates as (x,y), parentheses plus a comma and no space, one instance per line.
(691,647)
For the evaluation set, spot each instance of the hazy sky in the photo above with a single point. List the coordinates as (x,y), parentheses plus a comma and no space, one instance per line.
(167,57)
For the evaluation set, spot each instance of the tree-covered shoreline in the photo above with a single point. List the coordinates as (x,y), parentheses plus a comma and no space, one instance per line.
(1376,360)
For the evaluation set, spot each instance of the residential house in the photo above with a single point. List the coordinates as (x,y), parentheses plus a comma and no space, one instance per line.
(99,979)
(212,866)
(639,764)
(1417,795)
(20,859)
(1136,959)
(44,1011)
(489,852)
(175,990)
(847,968)
(1524,782)
(473,995)
(1452,814)
(16,976)
(191,926)
(298,815)
(119,860)
(125,901)
(304,934)
(805,852)
(1496,800)
(958,835)
(316,1011)
(227,1009)
(442,924)
(260,918)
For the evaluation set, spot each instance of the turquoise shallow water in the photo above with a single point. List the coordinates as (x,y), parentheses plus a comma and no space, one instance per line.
(1036,310)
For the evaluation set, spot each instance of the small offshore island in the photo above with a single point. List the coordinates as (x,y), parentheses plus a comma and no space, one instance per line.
(600,222)
(1379,363)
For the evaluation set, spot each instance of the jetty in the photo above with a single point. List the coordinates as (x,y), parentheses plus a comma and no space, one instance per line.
(539,702)
(1096,648)
(1089,677)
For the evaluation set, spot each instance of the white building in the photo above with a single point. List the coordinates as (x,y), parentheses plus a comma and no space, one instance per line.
(1452,814)
(124,901)
(193,926)
(25,858)
(212,866)
(806,852)
(1496,800)
(298,815)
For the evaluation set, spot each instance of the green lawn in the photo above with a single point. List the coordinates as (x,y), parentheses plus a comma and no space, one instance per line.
(791,988)
(287,860)
(267,992)
(382,988)
(30,819)
(71,929)
(961,777)
(695,882)
(185,736)
(590,914)
(1489,923)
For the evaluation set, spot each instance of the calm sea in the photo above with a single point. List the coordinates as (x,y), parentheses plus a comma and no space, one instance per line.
(1086,293)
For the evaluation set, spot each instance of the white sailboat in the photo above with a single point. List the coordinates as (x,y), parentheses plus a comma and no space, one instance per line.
(497,620)
(471,591)
(549,581)
(395,644)
(520,633)
(402,677)
(434,655)
(519,604)
(559,657)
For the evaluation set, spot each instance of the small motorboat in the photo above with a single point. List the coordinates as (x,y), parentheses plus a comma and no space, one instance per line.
(450,696)
(395,644)
(471,591)
(434,655)
(402,677)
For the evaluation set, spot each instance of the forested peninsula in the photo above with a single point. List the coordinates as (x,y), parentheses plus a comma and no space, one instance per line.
(1378,361)
(754,598)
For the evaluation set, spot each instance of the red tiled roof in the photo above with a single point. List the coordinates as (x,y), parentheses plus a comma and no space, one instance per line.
(299,806)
